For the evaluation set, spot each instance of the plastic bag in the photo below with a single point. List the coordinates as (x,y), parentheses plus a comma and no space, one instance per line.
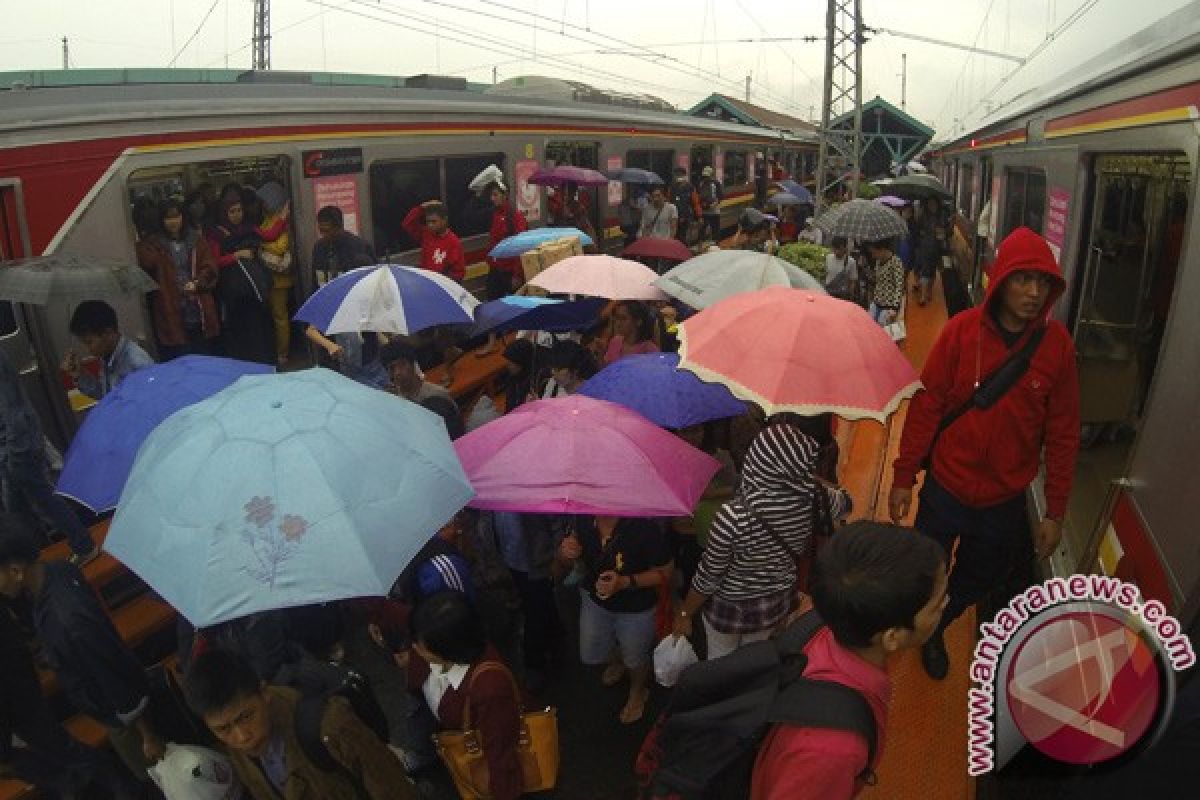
(188,772)
(673,655)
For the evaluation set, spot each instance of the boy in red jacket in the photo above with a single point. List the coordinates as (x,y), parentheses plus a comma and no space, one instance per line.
(879,589)
(504,274)
(983,462)
(441,249)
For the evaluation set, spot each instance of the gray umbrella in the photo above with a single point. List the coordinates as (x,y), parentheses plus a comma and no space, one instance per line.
(70,278)
(915,187)
(863,220)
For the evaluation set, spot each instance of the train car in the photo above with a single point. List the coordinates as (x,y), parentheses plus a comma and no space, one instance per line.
(79,150)
(1103,164)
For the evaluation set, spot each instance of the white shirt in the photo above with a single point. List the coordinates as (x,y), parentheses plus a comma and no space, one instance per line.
(440,679)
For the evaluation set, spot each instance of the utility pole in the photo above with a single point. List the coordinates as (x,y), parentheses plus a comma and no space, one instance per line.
(494,74)
(261,43)
(66,54)
(747,88)
(903,81)
(841,150)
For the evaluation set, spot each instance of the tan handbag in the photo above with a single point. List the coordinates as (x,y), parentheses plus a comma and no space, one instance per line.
(537,747)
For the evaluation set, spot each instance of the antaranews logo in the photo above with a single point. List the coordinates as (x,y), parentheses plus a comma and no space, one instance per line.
(1081,668)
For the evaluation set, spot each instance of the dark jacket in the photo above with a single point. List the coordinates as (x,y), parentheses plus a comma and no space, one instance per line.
(95,669)
(20,429)
(341,253)
(351,743)
(20,693)
(154,257)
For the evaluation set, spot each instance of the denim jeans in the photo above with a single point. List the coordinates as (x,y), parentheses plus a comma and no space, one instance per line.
(988,542)
(27,490)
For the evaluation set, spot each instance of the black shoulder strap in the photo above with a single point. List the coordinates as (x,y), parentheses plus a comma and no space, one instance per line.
(809,703)
(1024,355)
(310,710)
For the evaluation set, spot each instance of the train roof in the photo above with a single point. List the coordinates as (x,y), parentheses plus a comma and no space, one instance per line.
(1171,40)
(34,101)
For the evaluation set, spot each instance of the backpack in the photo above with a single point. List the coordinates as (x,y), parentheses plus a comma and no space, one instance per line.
(317,683)
(704,745)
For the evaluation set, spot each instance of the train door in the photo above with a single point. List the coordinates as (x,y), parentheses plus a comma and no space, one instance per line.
(1132,251)
(586,155)
(19,324)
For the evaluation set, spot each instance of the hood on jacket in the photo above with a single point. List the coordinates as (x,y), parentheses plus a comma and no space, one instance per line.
(1025,250)
(777,468)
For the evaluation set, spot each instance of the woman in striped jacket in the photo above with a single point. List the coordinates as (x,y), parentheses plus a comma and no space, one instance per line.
(746,582)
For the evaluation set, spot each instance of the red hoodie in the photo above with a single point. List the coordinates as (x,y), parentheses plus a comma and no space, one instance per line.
(990,456)
(506,221)
(440,252)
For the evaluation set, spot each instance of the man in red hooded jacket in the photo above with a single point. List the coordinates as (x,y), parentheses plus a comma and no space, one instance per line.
(504,274)
(983,462)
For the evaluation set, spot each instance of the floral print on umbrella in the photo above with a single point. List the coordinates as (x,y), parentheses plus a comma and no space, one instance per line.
(271,543)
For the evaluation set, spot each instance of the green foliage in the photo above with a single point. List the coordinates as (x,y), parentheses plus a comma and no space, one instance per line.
(807,256)
(868,191)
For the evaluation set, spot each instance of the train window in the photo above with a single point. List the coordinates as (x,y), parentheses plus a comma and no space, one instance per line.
(8,319)
(468,216)
(736,172)
(966,200)
(397,186)
(702,156)
(660,162)
(1024,200)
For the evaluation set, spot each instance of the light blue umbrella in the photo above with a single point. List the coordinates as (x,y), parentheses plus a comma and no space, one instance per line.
(285,490)
(102,452)
(524,241)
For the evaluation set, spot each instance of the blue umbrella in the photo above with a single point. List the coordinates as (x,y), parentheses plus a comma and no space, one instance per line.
(524,241)
(785,199)
(388,299)
(641,177)
(796,190)
(102,452)
(285,490)
(655,387)
(515,312)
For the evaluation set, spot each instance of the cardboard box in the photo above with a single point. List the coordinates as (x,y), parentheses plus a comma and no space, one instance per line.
(531,263)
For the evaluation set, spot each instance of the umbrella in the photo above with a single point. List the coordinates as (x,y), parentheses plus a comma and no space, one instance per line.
(916,187)
(863,220)
(792,350)
(388,299)
(654,247)
(785,199)
(285,490)
(796,190)
(578,455)
(516,312)
(641,177)
(891,201)
(524,241)
(600,276)
(916,167)
(655,387)
(564,174)
(102,452)
(712,277)
(65,277)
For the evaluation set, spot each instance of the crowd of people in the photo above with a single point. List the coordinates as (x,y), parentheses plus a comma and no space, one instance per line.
(478,624)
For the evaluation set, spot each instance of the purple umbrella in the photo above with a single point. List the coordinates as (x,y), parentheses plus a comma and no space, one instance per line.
(564,173)
(577,455)
(655,387)
(891,201)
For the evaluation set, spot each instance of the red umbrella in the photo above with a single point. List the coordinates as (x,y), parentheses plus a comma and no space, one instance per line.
(651,247)
(564,173)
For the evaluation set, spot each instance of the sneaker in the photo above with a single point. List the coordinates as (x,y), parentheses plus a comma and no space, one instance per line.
(81,560)
(934,657)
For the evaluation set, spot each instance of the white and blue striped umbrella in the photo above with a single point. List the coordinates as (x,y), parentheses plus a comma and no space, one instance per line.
(388,299)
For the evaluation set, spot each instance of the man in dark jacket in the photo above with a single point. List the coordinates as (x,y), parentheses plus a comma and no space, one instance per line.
(49,758)
(97,672)
(338,250)
(984,461)
(710,204)
(682,193)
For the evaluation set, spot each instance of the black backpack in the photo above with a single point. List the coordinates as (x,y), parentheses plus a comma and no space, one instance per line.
(704,745)
(317,683)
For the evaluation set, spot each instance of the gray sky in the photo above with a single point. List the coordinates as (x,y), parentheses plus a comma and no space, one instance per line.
(588,41)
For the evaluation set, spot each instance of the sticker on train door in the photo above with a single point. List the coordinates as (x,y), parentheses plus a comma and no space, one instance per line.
(340,191)
(615,188)
(529,195)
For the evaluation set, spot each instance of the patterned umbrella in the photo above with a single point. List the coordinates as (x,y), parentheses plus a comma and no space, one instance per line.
(915,187)
(388,299)
(564,174)
(863,220)
(65,277)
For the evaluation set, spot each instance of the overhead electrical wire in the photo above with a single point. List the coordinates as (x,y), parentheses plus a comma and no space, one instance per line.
(195,33)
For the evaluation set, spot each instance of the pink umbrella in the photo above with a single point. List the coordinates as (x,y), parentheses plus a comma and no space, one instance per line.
(794,350)
(578,455)
(653,247)
(564,174)
(600,276)
(891,201)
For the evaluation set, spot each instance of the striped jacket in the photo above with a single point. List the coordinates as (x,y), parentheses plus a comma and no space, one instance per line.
(742,561)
